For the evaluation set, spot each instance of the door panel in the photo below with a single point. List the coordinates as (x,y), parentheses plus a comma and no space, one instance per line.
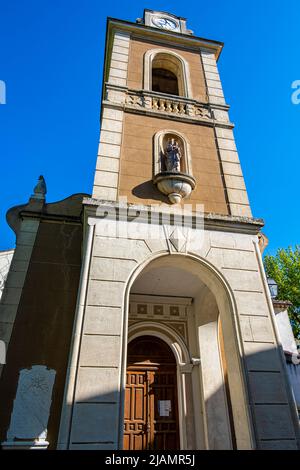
(135,410)
(165,419)
(151,414)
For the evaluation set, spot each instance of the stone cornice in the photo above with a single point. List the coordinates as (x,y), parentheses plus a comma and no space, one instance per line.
(101,209)
(282,304)
(67,210)
(50,217)
(147,32)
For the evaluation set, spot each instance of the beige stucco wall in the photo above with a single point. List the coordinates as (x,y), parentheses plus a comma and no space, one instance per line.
(136,167)
(127,134)
(137,50)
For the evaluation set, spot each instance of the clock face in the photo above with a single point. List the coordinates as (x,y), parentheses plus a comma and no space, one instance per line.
(164,23)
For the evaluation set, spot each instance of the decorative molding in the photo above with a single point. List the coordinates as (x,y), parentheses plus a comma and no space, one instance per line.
(161,299)
(173,311)
(156,310)
(212,221)
(186,368)
(179,240)
(166,106)
(186,40)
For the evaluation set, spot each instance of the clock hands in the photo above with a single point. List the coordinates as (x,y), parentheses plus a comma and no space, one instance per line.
(164,23)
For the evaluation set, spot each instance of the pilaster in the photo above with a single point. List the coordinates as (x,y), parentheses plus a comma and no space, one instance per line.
(108,159)
(233,177)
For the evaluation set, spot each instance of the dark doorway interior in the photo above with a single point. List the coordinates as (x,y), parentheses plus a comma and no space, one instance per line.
(164,81)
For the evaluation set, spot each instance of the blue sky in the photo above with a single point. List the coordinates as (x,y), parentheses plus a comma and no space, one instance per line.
(51,61)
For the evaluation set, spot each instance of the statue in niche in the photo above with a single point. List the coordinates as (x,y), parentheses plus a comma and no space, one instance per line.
(173,156)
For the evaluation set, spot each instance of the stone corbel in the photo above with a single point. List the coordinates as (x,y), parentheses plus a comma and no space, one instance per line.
(188,367)
(196,361)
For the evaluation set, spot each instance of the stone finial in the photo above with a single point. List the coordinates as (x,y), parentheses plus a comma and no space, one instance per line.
(40,189)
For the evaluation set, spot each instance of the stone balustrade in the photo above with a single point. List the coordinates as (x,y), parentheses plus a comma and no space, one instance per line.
(169,105)
(157,103)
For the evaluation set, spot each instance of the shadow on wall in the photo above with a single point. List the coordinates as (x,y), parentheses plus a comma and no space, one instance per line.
(148,190)
(95,416)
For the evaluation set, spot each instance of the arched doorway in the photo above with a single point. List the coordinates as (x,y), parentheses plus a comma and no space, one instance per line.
(182,300)
(151,405)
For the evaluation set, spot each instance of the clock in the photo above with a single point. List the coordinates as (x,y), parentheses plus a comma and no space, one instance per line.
(164,23)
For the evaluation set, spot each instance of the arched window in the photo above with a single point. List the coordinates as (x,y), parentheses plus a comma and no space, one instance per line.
(166,72)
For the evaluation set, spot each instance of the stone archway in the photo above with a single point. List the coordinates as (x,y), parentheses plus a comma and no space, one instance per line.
(206,392)
(183,371)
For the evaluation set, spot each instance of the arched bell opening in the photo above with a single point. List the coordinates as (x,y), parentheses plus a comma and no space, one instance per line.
(164,81)
(167,72)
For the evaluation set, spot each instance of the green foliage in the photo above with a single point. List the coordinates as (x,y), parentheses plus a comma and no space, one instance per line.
(284,268)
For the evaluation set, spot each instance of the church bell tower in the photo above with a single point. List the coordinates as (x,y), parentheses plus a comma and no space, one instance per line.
(174,343)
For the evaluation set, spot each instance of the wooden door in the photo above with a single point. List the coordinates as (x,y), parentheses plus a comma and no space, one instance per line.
(151,410)
(136,408)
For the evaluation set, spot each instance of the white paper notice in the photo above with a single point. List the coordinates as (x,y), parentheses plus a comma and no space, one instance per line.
(164,407)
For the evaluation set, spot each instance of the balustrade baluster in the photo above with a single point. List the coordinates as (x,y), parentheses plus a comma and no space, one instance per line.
(162,104)
(175,107)
(154,103)
(169,106)
(182,108)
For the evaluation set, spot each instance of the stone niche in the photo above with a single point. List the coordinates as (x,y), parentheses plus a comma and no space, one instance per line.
(29,418)
(172,166)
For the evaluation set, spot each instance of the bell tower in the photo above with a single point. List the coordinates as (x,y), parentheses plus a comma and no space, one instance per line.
(170,308)
(163,83)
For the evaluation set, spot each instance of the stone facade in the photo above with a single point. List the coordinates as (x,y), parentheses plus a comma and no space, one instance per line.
(38,331)
(190,274)
(259,393)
